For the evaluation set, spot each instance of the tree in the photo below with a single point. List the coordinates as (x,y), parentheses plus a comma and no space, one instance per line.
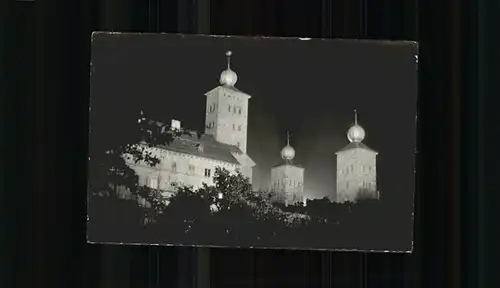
(109,174)
(227,213)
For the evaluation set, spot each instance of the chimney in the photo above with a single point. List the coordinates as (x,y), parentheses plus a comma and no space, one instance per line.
(176,125)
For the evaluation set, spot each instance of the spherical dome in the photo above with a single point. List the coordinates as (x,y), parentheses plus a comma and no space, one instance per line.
(287,153)
(228,77)
(356,134)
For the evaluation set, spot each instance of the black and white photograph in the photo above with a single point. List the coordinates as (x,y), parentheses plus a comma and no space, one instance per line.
(252,142)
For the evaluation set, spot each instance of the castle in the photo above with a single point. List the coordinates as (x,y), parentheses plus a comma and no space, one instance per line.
(191,159)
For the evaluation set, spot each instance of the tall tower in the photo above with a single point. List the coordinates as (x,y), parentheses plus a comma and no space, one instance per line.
(287,179)
(356,167)
(227,110)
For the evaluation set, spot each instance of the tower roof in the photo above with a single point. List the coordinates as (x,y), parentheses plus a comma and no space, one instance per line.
(356,133)
(190,143)
(287,164)
(355,145)
(228,77)
(288,153)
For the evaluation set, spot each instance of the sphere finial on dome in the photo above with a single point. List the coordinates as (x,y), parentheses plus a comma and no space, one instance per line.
(288,153)
(228,77)
(356,133)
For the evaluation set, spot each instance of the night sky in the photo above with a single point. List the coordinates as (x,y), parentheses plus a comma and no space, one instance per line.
(309,88)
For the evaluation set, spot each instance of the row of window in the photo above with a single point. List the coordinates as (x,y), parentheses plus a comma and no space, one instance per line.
(192,170)
(235,127)
(364,184)
(287,182)
(367,185)
(350,169)
(153,183)
(230,108)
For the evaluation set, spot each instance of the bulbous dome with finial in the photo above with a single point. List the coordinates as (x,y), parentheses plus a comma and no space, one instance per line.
(287,153)
(356,133)
(228,77)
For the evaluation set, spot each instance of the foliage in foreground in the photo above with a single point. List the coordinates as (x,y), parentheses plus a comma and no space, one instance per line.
(228,213)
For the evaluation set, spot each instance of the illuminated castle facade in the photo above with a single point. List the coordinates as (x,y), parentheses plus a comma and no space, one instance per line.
(356,168)
(190,159)
(287,178)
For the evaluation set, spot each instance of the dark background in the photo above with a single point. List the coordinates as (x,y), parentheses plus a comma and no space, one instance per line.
(309,88)
(47,60)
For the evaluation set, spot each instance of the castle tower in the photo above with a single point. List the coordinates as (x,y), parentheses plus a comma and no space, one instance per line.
(356,167)
(227,110)
(287,179)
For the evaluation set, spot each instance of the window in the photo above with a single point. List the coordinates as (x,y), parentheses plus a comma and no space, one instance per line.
(238,144)
(234,126)
(229,108)
(352,168)
(300,184)
(239,111)
(239,127)
(173,185)
(207,172)
(191,168)
(153,183)
(174,166)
